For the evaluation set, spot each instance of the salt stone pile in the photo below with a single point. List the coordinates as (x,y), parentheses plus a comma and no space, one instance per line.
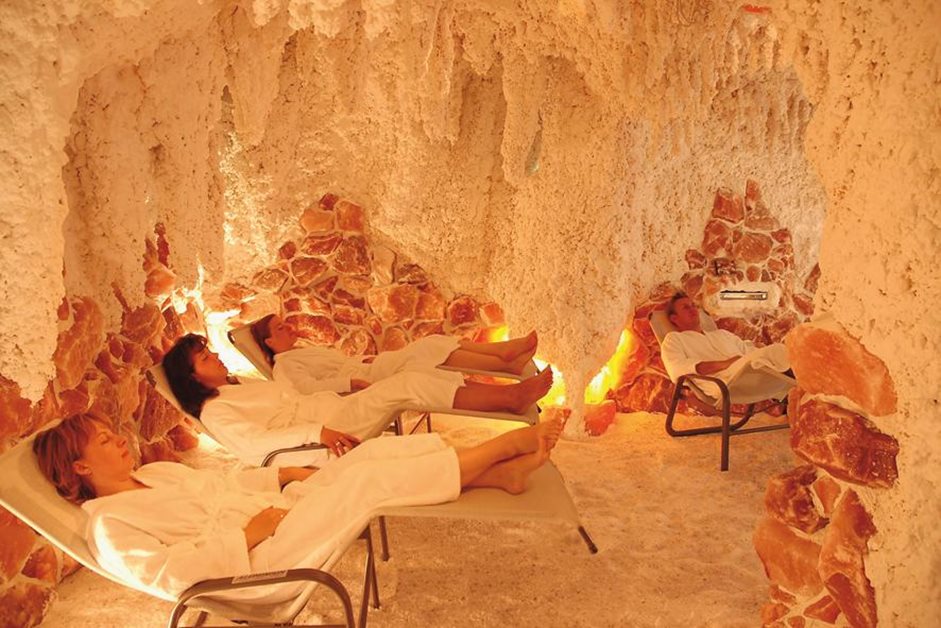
(742,241)
(814,540)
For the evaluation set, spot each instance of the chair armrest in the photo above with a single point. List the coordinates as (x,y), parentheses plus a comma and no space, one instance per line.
(694,377)
(273,454)
(217,585)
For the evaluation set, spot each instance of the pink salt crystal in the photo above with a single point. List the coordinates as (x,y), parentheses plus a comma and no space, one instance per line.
(411,273)
(842,565)
(692,283)
(740,327)
(393,303)
(320,330)
(14,409)
(461,311)
(758,217)
(307,269)
(430,304)
(773,611)
(347,315)
(320,244)
(324,289)
(695,259)
(782,235)
(315,221)
(18,540)
(788,499)
(491,314)
(271,279)
(358,342)
(649,392)
(349,216)
(777,329)
(328,201)
(717,239)
(753,248)
(790,561)
(832,362)
(813,277)
(427,329)
(394,339)
(352,256)
(183,437)
(599,417)
(287,250)
(825,609)
(42,563)
(804,304)
(844,443)
(827,492)
(728,206)
(24,603)
(78,345)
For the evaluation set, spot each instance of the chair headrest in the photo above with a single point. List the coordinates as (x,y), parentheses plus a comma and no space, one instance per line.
(662,326)
(158,379)
(242,339)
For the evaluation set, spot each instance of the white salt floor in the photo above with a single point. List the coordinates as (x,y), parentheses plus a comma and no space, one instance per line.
(674,536)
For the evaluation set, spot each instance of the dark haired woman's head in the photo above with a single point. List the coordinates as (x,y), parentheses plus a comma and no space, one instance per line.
(273,336)
(193,372)
(79,451)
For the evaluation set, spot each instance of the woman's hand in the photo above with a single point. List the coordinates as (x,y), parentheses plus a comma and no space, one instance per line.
(294,474)
(358,384)
(338,442)
(263,525)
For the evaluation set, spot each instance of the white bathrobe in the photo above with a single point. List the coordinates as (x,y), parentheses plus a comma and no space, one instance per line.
(317,369)
(681,351)
(253,418)
(189,524)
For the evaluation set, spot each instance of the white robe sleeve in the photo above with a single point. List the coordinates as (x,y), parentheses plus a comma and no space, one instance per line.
(675,358)
(252,439)
(128,551)
(304,376)
(262,480)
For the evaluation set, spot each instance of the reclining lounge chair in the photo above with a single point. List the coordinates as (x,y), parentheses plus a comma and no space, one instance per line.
(241,338)
(26,493)
(749,386)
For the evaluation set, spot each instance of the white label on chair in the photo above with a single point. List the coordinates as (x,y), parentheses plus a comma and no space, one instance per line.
(254,577)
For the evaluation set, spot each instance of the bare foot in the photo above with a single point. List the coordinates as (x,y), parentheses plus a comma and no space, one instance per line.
(526,440)
(516,347)
(511,475)
(531,390)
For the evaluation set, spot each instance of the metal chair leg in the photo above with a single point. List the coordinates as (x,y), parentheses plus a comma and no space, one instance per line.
(585,537)
(383,539)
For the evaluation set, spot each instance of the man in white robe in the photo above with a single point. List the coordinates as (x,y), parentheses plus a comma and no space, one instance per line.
(718,353)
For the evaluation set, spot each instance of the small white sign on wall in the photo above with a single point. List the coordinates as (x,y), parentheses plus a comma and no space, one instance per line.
(744,299)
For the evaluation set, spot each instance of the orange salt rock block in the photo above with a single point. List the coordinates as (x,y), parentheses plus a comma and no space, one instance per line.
(728,206)
(395,303)
(790,561)
(78,345)
(825,609)
(461,311)
(788,499)
(394,338)
(599,417)
(842,566)
(352,257)
(827,492)
(350,216)
(832,362)
(844,443)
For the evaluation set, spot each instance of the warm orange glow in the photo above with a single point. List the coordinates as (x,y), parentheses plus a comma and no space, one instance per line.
(217,327)
(607,378)
(556,394)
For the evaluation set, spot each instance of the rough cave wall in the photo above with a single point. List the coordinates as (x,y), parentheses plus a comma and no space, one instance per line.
(438,114)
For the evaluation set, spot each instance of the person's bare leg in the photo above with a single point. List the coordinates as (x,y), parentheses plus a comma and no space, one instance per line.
(507,350)
(511,475)
(464,359)
(516,398)
(476,460)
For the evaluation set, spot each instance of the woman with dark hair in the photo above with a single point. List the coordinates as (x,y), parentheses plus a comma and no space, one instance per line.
(167,526)
(312,369)
(254,417)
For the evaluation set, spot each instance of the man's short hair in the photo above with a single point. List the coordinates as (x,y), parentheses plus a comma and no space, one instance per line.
(671,304)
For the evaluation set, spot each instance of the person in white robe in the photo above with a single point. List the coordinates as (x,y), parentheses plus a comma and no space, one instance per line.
(313,369)
(167,526)
(253,417)
(719,353)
